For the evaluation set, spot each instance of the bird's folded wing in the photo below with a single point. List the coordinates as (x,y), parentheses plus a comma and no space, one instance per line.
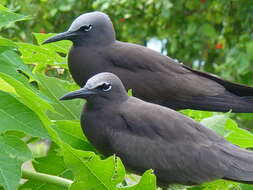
(164,75)
(172,145)
(160,79)
(156,121)
(136,58)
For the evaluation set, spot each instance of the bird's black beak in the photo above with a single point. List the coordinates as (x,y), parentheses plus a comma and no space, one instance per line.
(68,35)
(81,93)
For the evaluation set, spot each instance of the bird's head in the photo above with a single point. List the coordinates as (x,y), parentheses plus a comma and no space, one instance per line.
(100,89)
(88,29)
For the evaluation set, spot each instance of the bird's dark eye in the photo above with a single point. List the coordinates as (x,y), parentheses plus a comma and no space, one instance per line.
(85,28)
(105,87)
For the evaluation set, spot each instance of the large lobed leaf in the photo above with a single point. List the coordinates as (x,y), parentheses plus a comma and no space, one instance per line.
(10,63)
(147,182)
(228,128)
(93,173)
(17,116)
(53,89)
(217,123)
(60,46)
(70,132)
(43,55)
(52,164)
(13,153)
(30,98)
(6,44)
(39,55)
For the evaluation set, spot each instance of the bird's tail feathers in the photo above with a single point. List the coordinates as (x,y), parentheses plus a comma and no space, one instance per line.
(238,89)
(240,164)
(221,103)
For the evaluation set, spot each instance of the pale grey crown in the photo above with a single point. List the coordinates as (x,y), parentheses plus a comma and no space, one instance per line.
(104,78)
(101,25)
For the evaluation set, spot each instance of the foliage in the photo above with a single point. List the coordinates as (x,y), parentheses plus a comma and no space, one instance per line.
(13,153)
(35,76)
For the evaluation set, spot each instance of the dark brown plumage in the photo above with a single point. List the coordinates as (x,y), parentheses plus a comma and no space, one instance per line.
(148,136)
(153,77)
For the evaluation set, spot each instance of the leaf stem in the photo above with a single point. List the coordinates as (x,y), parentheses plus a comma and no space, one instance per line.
(59,181)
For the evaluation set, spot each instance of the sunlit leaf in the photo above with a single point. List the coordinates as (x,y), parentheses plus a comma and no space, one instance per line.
(60,46)
(17,116)
(39,55)
(70,132)
(13,153)
(44,165)
(30,98)
(217,123)
(6,44)
(55,88)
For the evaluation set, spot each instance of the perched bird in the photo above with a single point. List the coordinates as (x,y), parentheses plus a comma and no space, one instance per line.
(149,136)
(153,77)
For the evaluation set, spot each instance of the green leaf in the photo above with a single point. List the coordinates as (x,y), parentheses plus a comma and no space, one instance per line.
(207,30)
(217,185)
(228,128)
(10,63)
(37,185)
(196,114)
(249,49)
(217,123)
(55,88)
(39,55)
(4,86)
(147,182)
(221,185)
(13,153)
(240,137)
(91,172)
(8,17)
(71,133)
(16,116)
(44,165)
(130,92)
(45,55)
(245,187)
(60,46)
(30,98)
(6,44)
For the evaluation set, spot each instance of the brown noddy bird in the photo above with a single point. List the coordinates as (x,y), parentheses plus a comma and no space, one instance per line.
(149,136)
(153,77)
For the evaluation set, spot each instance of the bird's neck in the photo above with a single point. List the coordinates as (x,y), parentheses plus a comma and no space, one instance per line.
(101,104)
(91,42)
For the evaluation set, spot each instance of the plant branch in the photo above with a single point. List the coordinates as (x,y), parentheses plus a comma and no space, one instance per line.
(59,181)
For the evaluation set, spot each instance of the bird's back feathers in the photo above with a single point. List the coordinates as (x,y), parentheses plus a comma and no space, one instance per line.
(156,78)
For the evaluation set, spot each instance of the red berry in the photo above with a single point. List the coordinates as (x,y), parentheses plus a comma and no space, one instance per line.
(219,46)
(122,19)
(43,31)
(202,1)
